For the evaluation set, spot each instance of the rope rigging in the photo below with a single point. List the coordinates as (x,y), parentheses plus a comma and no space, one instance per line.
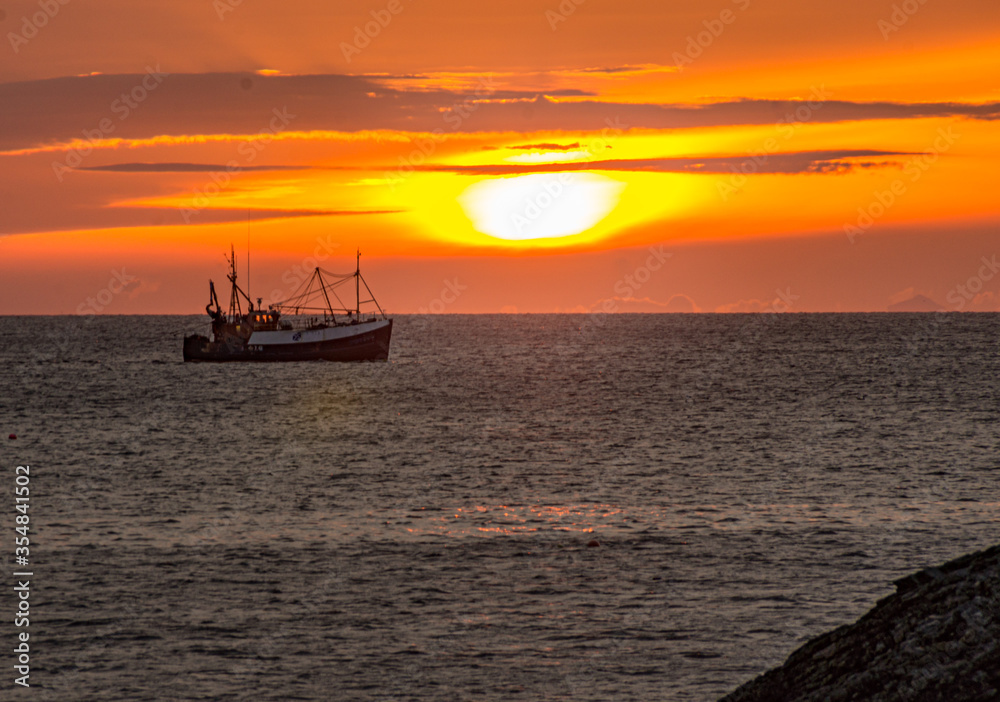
(318,288)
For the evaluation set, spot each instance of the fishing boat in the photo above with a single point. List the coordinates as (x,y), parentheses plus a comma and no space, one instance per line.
(305,327)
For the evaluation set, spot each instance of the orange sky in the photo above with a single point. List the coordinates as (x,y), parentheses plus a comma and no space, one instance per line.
(736,155)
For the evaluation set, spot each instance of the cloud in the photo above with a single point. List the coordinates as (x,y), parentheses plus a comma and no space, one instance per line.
(59,110)
(681,303)
(637,69)
(746,307)
(779,163)
(985,302)
(818,162)
(137,287)
(182,168)
(70,217)
(677,303)
(544,147)
(502,83)
(585,115)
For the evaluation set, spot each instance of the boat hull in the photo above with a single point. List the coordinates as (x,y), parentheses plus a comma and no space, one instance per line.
(367,341)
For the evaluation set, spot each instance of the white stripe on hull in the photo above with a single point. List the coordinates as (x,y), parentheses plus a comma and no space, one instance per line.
(287,337)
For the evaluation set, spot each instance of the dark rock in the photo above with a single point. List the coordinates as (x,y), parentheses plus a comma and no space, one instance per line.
(936,639)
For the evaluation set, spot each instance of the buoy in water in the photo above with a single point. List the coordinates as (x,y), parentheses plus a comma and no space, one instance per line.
(593,543)
(12,436)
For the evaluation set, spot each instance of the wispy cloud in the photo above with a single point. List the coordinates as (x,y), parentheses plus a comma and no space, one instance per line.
(834,161)
(73,218)
(60,110)
(540,147)
(637,69)
(182,168)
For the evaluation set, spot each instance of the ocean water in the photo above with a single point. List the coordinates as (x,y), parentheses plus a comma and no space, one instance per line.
(418,529)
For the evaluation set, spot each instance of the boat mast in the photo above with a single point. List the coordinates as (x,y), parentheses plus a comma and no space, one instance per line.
(235,311)
(326,296)
(235,308)
(249,298)
(357,288)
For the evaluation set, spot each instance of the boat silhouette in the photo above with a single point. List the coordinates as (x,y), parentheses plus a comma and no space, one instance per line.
(305,327)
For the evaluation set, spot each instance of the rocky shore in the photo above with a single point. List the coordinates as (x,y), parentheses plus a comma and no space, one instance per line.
(936,638)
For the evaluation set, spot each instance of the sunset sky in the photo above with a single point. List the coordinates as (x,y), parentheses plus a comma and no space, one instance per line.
(529,156)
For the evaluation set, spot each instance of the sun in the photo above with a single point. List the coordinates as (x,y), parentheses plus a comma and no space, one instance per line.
(541,205)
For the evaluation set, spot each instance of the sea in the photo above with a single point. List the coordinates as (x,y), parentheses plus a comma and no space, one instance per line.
(512,507)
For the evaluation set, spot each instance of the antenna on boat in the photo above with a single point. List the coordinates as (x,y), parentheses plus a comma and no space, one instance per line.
(248,259)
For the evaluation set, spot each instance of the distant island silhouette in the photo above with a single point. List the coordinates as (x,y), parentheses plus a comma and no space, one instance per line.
(917,303)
